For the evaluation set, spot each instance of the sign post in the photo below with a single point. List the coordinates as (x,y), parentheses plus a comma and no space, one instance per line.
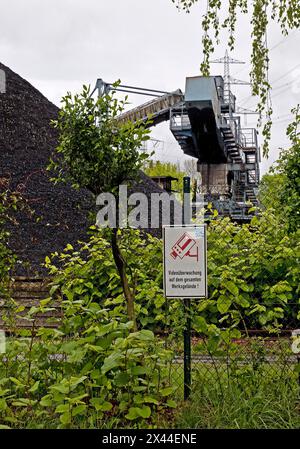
(187,364)
(185,276)
(187,353)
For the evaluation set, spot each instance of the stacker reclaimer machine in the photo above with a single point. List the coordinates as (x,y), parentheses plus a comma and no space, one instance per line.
(205,122)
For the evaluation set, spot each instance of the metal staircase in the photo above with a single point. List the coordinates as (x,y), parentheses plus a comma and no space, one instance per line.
(232,148)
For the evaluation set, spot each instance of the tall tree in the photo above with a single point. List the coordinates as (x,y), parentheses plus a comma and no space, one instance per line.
(99,153)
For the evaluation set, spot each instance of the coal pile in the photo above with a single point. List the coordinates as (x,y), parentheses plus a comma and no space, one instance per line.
(27,141)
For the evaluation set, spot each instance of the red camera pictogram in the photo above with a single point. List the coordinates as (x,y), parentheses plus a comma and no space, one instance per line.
(186,246)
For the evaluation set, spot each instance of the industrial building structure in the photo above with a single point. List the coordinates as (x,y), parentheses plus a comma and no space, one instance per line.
(207,125)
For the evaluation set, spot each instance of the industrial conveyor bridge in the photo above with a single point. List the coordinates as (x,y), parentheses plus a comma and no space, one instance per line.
(205,123)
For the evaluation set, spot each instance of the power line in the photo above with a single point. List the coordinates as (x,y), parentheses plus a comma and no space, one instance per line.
(286,73)
(277,122)
(273,90)
(245,100)
(282,41)
(282,91)
(271,49)
(282,85)
(283,115)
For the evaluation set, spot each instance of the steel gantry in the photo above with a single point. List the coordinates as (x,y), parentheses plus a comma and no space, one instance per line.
(207,125)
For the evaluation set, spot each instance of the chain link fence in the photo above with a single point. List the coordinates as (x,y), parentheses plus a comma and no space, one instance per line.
(246,363)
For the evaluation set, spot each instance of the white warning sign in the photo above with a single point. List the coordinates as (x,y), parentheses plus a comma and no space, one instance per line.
(185,267)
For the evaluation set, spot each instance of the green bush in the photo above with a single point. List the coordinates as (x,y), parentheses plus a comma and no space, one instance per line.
(253,275)
(253,272)
(91,372)
(90,273)
(94,371)
(8,203)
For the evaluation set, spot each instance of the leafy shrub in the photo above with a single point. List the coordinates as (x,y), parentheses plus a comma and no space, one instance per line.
(253,275)
(253,272)
(8,202)
(91,372)
(90,273)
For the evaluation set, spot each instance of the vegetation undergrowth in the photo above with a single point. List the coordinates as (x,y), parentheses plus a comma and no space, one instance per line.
(93,371)
(266,402)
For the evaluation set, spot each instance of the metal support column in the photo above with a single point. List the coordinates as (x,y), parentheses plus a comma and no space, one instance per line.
(187,303)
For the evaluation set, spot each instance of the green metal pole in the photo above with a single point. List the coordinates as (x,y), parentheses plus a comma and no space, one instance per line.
(187,306)
(187,350)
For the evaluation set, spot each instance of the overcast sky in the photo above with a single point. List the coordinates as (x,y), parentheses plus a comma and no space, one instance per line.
(58,45)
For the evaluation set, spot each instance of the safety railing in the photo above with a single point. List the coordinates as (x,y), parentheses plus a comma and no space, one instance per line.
(248,138)
(179,120)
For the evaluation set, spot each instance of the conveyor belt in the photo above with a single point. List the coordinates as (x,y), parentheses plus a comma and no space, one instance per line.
(158,109)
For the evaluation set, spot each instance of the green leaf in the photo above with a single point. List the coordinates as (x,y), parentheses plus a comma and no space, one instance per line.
(200,324)
(144,335)
(112,361)
(3,404)
(53,289)
(79,410)
(223,304)
(145,412)
(121,379)
(242,301)
(150,400)
(46,401)
(74,381)
(167,391)
(231,287)
(76,356)
(101,405)
(4,392)
(35,387)
(139,388)
(133,413)
(297,368)
(203,304)
(65,418)
(139,370)
(16,382)
(62,408)
(171,403)
(61,388)
(137,412)
(20,403)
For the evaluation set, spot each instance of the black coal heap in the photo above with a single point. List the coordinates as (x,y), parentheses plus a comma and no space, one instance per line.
(27,141)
